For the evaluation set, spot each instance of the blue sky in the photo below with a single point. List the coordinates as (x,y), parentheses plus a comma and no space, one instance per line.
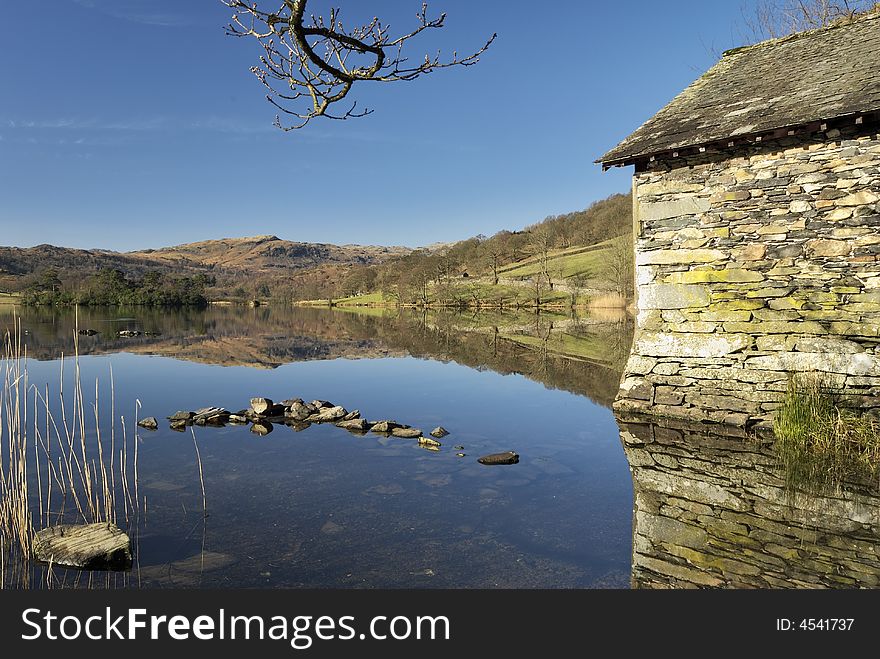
(128,124)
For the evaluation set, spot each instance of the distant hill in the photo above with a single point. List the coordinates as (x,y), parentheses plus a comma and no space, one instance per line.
(265,253)
(230,260)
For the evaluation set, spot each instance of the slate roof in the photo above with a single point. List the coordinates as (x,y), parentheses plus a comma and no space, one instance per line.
(796,80)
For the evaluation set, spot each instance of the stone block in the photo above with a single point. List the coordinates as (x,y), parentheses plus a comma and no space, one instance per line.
(826,247)
(657,344)
(753,252)
(861,363)
(731,275)
(662,210)
(777,327)
(861,198)
(672,296)
(827,345)
(679,256)
(667,186)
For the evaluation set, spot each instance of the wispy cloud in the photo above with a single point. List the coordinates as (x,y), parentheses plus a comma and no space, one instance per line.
(102,127)
(135,11)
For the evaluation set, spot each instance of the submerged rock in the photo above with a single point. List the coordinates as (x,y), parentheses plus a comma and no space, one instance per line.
(149,423)
(407,433)
(101,546)
(178,426)
(506,458)
(461,455)
(439,432)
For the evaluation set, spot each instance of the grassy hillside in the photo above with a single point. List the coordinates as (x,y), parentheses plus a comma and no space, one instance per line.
(565,260)
(565,263)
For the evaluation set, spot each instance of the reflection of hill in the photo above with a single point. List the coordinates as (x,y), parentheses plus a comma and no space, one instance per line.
(711,511)
(583,358)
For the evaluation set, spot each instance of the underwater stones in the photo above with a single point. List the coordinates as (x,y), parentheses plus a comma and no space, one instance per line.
(505,458)
(406,433)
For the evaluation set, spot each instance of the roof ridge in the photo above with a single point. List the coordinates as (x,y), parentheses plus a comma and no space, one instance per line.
(844,21)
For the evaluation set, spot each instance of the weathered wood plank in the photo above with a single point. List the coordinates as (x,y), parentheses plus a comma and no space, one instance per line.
(101,546)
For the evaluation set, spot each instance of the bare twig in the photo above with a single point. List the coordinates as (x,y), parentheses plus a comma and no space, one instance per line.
(310,64)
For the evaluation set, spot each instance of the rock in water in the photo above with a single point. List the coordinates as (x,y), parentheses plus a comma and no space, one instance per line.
(261,405)
(327,414)
(439,432)
(298,410)
(178,426)
(87,332)
(101,546)
(318,404)
(149,423)
(203,415)
(506,458)
(406,433)
(181,416)
(385,426)
(355,425)
(354,414)
(427,441)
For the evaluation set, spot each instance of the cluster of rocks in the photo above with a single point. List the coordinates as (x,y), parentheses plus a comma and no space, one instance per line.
(263,414)
(87,332)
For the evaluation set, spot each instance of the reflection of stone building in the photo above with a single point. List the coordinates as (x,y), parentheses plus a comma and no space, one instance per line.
(757,206)
(711,511)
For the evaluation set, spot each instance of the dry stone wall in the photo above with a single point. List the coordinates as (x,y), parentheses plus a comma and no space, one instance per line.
(712,511)
(752,265)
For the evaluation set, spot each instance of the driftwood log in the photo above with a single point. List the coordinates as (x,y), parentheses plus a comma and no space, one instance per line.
(101,546)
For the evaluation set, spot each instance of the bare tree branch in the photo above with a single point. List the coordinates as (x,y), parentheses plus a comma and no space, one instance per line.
(310,64)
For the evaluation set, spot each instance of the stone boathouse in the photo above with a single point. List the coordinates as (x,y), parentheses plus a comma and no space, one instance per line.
(756,200)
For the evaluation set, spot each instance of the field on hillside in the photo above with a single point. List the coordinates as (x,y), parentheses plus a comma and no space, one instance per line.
(565,263)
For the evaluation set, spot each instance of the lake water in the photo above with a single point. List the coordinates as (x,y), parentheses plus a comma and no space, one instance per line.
(595,501)
(326,508)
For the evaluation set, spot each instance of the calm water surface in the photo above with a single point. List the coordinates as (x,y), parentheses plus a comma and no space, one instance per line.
(326,508)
